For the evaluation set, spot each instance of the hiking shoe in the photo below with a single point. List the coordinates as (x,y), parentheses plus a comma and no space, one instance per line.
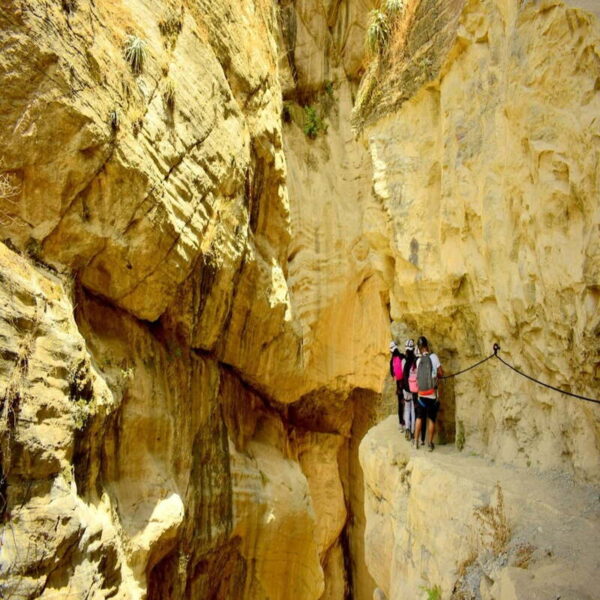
(431,446)
(407,435)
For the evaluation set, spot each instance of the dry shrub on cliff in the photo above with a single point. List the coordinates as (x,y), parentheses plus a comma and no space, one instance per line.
(523,556)
(69,6)
(10,188)
(135,53)
(170,26)
(169,94)
(383,25)
(495,529)
(9,185)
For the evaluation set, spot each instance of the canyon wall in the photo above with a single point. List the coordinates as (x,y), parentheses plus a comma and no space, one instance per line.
(201,258)
(489,175)
(191,336)
(481,121)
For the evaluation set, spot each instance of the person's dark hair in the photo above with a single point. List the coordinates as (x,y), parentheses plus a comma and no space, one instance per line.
(410,359)
(422,342)
(397,352)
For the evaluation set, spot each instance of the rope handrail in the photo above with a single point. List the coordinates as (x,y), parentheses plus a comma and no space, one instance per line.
(547,385)
(468,368)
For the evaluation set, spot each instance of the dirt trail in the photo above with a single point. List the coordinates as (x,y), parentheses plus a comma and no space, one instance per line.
(429,500)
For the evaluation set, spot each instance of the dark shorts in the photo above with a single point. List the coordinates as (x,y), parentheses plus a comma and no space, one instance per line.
(429,411)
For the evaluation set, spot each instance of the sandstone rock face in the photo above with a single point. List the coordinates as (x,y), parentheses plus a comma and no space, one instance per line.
(153,203)
(200,262)
(429,524)
(488,175)
(50,390)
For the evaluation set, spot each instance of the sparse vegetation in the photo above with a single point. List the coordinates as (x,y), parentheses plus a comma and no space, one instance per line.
(286,113)
(523,556)
(126,374)
(378,31)
(170,27)
(495,529)
(135,53)
(10,188)
(9,185)
(313,123)
(33,249)
(81,414)
(137,121)
(69,6)
(169,94)
(465,564)
(113,120)
(433,593)
(393,6)
(460,436)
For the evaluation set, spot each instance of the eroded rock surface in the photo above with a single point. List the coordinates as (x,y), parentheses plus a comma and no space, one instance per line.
(489,178)
(436,520)
(200,262)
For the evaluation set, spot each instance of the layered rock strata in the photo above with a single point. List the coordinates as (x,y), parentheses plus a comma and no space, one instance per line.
(488,174)
(200,262)
(473,529)
(150,206)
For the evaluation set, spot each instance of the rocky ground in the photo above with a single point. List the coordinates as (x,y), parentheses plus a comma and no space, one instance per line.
(475,528)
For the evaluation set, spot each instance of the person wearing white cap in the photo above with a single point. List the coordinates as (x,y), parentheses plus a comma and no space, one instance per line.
(396,373)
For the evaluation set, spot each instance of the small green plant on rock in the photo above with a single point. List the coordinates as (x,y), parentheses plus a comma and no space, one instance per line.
(113,120)
(378,31)
(313,124)
(433,593)
(135,53)
(460,436)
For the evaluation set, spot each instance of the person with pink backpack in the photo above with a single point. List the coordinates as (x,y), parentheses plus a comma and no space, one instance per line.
(409,387)
(397,373)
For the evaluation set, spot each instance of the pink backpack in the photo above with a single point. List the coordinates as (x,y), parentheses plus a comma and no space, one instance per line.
(413,386)
(397,364)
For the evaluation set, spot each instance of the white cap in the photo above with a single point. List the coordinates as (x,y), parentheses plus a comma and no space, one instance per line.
(393,346)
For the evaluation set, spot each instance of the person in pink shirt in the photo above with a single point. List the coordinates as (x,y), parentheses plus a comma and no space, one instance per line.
(396,372)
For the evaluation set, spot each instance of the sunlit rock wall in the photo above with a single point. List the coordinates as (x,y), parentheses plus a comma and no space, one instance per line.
(164,304)
(489,174)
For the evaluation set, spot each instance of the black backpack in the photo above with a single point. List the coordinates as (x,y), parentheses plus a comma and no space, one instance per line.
(425,378)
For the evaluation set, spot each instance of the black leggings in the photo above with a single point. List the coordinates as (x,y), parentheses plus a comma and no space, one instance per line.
(400,395)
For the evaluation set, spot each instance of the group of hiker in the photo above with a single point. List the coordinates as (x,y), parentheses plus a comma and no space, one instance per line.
(416,371)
